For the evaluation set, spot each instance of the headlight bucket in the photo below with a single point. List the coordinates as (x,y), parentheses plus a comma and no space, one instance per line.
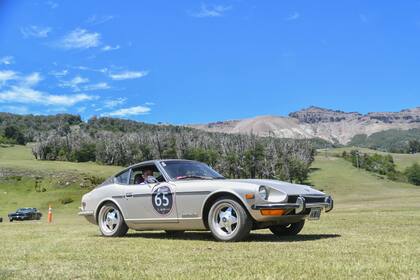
(301,205)
(330,205)
(263,192)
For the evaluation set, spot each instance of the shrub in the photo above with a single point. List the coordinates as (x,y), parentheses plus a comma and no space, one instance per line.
(413,174)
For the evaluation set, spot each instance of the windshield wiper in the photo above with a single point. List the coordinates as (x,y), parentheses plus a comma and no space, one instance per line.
(192,177)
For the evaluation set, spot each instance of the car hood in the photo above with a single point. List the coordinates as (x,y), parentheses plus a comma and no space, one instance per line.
(285,187)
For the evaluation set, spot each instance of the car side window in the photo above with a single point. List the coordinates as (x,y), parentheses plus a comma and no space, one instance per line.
(141,172)
(123,177)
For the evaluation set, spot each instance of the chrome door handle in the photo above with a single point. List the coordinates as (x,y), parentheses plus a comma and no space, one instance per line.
(127,195)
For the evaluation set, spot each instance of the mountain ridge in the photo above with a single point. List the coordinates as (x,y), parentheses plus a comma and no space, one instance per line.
(315,122)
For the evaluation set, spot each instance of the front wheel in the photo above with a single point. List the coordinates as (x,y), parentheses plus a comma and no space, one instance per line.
(288,230)
(111,222)
(228,220)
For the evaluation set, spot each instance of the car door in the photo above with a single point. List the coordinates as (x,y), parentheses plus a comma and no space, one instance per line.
(149,202)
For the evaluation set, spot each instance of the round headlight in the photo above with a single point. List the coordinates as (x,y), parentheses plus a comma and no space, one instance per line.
(300,201)
(263,192)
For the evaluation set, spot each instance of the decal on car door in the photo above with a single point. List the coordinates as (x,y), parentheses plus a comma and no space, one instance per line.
(162,200)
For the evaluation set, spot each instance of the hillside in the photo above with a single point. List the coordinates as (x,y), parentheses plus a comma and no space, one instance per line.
(314,122)
(393,140)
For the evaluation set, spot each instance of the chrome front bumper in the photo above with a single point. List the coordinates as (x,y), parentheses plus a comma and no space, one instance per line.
(328,205)
(89,215)
(85,213)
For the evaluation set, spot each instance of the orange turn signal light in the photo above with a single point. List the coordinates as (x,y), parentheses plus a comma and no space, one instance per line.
(249,196)
(272,212)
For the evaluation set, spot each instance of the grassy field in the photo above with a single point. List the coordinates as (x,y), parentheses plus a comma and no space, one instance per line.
(371,234)
(401,160)
(21,158)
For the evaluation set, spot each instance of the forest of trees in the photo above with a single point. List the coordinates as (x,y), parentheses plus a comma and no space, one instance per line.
(123,142)
(233,155)
(392,141)
(384,165)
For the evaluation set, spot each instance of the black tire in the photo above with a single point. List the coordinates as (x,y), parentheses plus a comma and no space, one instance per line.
(174,233)
(116,228)
(288,230)
(239,230)
(10,220)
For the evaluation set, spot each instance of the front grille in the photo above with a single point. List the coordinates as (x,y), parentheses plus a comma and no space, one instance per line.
(308,199)
(292,198)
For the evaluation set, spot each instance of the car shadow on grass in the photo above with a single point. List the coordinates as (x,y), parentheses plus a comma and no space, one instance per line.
(253,237)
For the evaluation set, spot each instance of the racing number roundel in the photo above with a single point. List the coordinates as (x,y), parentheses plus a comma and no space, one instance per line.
(162,200)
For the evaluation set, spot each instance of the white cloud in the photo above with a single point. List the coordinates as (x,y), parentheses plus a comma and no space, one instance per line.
(211,11)
(85,68)
(81,109)
(125,75)
(111,103)
(97,86)
(131,111)
(74,83)
(52,4)
(108,48)
(35,31)
(27,81)
(95,19)
(59,74)
(19,94)
(80,39)
(32,79)
(22,110)
(6,76)
(293,16)
(7,60)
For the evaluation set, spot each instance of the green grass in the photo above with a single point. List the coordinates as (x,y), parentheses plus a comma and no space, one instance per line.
(371,234)
(401,160)
(20,158)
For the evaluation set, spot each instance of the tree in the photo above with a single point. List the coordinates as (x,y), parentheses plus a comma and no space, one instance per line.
(413,174)
(413,146)
(14,134)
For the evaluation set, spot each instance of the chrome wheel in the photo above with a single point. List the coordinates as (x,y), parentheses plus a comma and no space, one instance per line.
(228,220)
(110,219)
(225,219)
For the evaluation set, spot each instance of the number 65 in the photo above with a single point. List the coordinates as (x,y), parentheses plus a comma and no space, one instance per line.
(161,199)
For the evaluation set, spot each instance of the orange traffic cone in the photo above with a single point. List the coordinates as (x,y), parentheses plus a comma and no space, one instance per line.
(49,214)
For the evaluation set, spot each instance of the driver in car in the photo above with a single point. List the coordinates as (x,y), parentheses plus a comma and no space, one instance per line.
(146,177)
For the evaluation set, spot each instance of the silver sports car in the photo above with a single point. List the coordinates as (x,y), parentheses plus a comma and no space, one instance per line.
(179,195)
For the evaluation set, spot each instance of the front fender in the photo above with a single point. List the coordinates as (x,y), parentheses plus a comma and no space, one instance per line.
(215,194)
(102,202)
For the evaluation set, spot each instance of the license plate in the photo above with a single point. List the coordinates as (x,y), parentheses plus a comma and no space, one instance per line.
(315,214)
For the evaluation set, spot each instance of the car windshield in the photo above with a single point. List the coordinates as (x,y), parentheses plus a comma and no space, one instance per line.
(22,210)
(182,170)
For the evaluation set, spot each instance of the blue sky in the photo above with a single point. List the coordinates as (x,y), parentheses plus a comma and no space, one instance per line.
(198,61)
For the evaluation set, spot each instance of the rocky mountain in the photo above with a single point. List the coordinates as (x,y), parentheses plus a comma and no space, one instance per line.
(314,122)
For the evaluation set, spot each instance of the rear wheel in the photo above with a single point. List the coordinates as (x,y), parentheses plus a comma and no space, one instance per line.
(228,220)
(111,221)
(288,230)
